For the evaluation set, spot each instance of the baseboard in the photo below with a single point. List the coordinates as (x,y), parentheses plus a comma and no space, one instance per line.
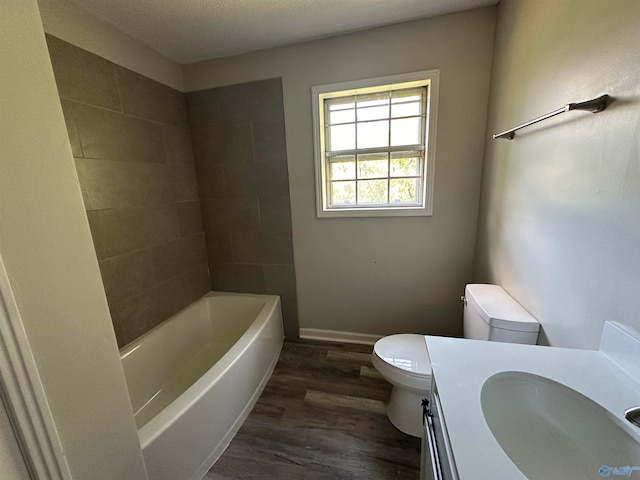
(338,336)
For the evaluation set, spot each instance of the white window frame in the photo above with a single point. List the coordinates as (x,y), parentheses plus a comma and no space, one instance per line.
(319,93)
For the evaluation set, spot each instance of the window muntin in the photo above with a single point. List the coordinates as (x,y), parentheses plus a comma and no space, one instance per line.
(373,149)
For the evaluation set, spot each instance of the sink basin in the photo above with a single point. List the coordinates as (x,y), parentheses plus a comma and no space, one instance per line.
(550,431)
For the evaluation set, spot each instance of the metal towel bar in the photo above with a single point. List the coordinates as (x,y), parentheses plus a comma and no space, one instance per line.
(594,105)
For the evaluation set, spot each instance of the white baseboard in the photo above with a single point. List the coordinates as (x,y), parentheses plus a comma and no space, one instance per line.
(338,336)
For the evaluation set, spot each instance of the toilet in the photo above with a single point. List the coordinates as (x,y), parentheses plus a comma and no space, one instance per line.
(490,314)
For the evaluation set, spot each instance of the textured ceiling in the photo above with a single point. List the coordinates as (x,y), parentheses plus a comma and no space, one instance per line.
(191,30)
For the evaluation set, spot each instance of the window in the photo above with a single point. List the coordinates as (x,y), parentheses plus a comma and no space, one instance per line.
(374,145)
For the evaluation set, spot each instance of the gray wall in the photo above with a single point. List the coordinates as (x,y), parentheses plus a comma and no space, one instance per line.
(382,275)
(239,146)
(130,139)
(560,223)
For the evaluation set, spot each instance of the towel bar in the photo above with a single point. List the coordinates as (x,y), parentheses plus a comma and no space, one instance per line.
(594,105)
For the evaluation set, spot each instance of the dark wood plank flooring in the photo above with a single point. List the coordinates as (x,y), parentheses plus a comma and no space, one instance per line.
(321,416)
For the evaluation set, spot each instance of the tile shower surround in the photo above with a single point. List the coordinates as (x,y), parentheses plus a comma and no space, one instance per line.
(133,150)
(238,140)
(130,139)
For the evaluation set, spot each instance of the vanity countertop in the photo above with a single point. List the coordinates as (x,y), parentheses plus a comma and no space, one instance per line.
(460,368)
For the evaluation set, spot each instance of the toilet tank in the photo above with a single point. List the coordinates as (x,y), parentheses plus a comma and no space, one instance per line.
(492,314)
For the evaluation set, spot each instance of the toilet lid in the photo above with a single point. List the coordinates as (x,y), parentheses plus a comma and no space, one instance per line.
(406,351)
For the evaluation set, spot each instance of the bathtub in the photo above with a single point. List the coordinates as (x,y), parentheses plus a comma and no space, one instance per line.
(194,379)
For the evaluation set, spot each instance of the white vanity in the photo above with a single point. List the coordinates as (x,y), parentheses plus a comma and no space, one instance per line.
(501,411)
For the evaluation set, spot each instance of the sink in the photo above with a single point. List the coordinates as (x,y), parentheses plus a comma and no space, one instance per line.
(550,431)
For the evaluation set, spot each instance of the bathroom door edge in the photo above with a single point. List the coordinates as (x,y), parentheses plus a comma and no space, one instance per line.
(24,396)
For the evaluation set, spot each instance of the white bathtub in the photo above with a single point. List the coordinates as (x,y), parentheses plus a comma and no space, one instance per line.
(194,379)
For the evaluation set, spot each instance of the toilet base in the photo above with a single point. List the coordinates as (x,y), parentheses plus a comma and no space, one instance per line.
(405,410)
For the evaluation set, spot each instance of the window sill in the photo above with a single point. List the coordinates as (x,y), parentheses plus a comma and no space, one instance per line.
(375,212)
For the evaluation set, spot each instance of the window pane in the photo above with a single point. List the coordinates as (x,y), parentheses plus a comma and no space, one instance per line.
(405,109)
(343,193)
(408,95)
(406,131)
(405,164)
(373,146)
(341,137)
(340,103)
(373,165)
(373,113)
(373,99)
(342,116)
(372,191)
(373,134)
(342,167)
(403,190)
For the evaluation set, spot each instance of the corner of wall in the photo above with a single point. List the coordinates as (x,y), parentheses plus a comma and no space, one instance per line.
(68,22)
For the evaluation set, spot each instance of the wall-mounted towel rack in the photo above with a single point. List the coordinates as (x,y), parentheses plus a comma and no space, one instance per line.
(594,105)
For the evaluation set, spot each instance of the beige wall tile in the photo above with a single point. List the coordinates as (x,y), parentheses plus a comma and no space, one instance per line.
(167,261)
(210,180)
(124,230)
(238,278)
(241,214)
(139,186)
(239,146)
(250,102)
(183,182)
(290,315)
(139,314)
(83,76)
(189,218)
(193,250)
(213,216)
(234,143)
(177,144)
(247,247)
(202,108)
(205,143)
(219,248)
(240,180)
(271,179)
(174,295)
(278,247)
(275,213)
(153,183)
(127,275)
(269,142)
(115,136)
(149,99)
(199,280)
(280,279)
(107,184)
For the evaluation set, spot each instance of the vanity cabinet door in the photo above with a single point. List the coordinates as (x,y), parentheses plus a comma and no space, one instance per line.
(437,458)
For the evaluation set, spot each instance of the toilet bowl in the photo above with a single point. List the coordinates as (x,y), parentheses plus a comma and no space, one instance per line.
(490,314)
(402,360)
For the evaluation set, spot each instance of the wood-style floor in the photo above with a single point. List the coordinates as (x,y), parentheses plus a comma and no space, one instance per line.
(321,416)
